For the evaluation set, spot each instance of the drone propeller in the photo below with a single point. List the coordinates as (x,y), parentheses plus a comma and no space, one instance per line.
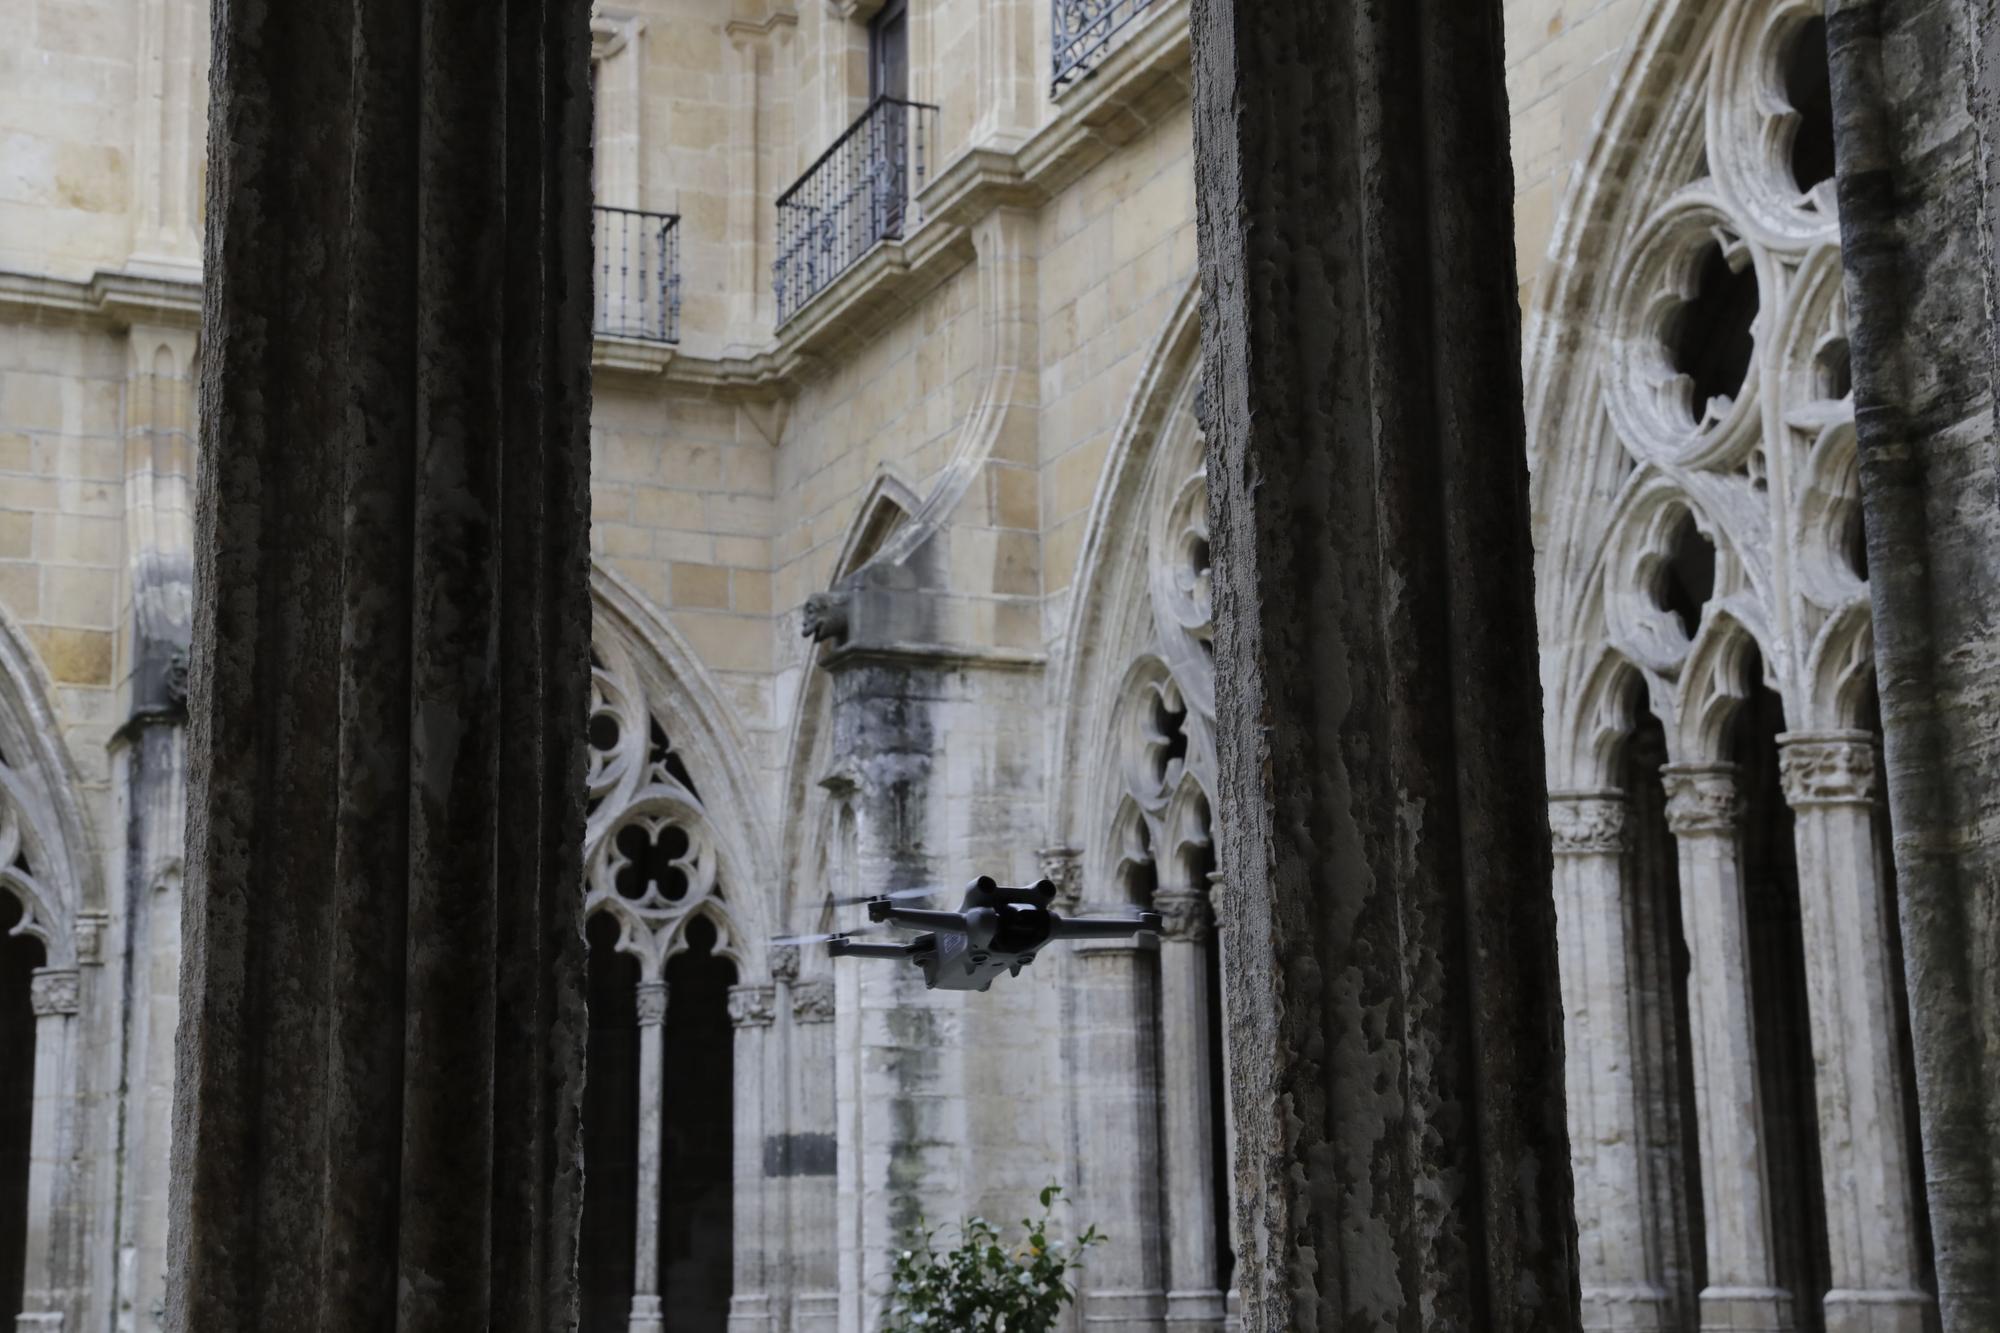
(832,935)
(860,898)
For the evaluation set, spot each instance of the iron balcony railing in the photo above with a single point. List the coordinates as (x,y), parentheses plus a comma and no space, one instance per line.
(861,191)
(1083,33)
(638,260)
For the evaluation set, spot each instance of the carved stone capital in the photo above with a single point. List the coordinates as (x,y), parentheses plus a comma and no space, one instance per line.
(1828,768)
(1063,867)
(55,990)
(785,962)
(652,996)
(1702,798)
(90,928)
(1587,823)
(812,1002)
(753,1006)
(1183,915)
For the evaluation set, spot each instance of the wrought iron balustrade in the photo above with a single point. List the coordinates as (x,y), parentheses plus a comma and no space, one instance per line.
(638,274)
(861,191)
(1083,31)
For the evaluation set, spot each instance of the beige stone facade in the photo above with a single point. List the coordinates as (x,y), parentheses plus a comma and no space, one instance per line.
(982,435)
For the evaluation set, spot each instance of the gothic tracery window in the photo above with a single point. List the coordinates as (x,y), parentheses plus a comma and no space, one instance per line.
(1155,849)
(658,1126)
(1704,614)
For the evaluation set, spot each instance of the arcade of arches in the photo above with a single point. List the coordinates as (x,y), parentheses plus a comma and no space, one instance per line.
(904,576)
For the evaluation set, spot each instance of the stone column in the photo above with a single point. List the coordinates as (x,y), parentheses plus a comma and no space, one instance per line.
(1852,978)
(1705,812)
(1226,1224)
(1119,1167)
(1395,1024)
(55,994)
(1622,1285)
(809,1161)
(1916,111)
(149,772)
(379,1070)
(647,1175)
(169,126)
(752,1009)
(1187,1150)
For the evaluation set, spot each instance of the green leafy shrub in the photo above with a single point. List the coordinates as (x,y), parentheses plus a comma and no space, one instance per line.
(982,1284)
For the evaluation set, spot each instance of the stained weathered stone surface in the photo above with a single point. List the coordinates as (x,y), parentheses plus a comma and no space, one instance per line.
(1395,1044)
(1916,114)
(379,1064)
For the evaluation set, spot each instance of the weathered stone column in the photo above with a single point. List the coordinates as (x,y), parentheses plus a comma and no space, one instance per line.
(1622,1288)
(1395,1023)
(807,1154)
(1916,107)
(752,1010)
(1705,812)
(647,1173)
(1225,1226)
(382,1012)
(1119,1166)
(1187,1131)
(1852,978)
(55,995)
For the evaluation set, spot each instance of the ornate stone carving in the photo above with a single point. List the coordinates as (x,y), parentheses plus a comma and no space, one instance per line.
(55,990)
(753,1006)
(90,928)
(1827,770)
(1063,867)
(812,1001)
(651,855)
(1702,798)
(652,1001)
(1587,824)
(785,962)
(825,617)
(1183,915)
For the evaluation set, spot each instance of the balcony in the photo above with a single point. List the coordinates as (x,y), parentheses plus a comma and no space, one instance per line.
(638,274)
(862,191)
(1083,33)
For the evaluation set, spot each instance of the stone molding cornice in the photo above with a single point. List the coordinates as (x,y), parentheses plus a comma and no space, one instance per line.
(1702,798)
(1588,823)
(1828,768)
(107,299)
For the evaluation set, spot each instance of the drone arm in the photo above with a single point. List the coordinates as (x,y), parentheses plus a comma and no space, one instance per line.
(921,918)
(850,949)
(1102,927)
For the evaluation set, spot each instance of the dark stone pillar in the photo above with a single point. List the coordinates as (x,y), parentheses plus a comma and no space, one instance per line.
(382,1021)
(1395,1024)
(1916,99)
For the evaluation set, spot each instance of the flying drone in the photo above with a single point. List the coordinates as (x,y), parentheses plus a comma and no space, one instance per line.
(994,930)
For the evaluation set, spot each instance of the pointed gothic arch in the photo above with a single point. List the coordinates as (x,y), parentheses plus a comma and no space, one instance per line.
(53,911)
(1133,765)
(1690,438)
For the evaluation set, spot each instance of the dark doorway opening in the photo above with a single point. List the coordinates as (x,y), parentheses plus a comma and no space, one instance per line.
(20,955)
(698,1163)
(1781,1019)
(1662,1038)
(610,1134)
